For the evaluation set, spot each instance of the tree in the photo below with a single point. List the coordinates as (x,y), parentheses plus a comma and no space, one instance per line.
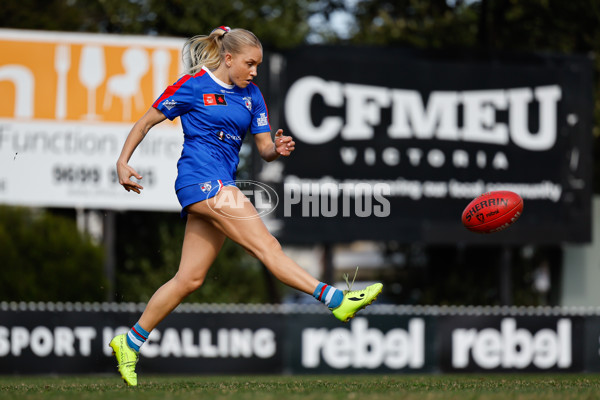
(430,24)
(279,24)
(45,258)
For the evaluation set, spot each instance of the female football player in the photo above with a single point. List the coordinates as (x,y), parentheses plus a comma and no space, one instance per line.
(217,103)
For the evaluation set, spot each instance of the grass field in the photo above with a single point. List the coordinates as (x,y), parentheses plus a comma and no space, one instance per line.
(406,387)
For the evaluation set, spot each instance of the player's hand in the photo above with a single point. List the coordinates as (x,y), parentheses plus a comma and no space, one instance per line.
(125,172)
(284,145)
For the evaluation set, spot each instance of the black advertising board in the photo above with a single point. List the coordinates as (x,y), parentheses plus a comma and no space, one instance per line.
(303,339)
(511,343)
(592,343)
(77,342)
(376,343)
(392,144)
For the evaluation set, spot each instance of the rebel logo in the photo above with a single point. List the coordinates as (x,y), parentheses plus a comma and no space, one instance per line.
(513,347)
(500,202)
(214,99)
(367,347)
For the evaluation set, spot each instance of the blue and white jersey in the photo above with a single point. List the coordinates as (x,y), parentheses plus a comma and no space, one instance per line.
(215,118)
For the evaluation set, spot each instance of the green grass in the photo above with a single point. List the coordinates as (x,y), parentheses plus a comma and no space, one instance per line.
(406,387)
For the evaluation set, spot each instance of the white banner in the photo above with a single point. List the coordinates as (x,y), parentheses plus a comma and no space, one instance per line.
(72,164)
(68,102)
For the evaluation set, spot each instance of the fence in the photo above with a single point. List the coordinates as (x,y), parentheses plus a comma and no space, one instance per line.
(215,339)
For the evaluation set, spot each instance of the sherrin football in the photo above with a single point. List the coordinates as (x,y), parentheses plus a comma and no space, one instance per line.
(492,211)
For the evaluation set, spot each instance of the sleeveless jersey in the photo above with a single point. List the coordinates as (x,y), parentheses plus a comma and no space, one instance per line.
(215,118)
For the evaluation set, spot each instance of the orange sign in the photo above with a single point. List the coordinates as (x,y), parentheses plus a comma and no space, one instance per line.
(83,77)
(68,101)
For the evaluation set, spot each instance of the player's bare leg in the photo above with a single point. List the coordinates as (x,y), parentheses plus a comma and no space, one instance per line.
(234,215)
(201,244)
(242,224)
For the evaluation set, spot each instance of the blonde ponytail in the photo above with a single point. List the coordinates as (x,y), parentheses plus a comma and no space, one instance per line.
(208,51)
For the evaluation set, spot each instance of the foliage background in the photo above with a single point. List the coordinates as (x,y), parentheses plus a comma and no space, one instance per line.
(45,258)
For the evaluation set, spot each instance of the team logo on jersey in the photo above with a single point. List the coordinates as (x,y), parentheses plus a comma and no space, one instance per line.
(248,102)
(169,104)
(262,120)
(213,99)
(220,135)
(205,187)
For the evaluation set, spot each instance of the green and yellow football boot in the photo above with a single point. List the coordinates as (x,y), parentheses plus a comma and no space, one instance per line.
(127,358)
(355,300)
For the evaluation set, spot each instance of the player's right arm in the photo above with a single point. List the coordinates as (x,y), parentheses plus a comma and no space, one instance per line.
(135,137)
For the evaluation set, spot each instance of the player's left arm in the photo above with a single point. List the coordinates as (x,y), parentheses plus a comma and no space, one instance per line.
(269,150)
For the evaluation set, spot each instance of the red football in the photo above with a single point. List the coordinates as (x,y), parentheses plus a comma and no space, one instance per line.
(492,211)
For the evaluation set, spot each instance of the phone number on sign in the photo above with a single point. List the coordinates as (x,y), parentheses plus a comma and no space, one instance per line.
(84,174)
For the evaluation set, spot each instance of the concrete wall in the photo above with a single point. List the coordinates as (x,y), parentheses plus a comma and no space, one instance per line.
(581,268)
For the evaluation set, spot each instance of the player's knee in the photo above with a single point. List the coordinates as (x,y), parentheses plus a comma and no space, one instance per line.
(269,247)
(188,284)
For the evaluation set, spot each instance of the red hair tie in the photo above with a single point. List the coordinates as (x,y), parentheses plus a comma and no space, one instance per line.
(223,27)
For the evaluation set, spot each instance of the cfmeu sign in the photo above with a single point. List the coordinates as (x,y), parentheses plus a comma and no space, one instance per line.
(426,124)
(68,102)
(412,117)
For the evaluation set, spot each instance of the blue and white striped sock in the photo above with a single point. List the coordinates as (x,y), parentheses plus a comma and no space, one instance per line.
(328,295)
(136,337)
